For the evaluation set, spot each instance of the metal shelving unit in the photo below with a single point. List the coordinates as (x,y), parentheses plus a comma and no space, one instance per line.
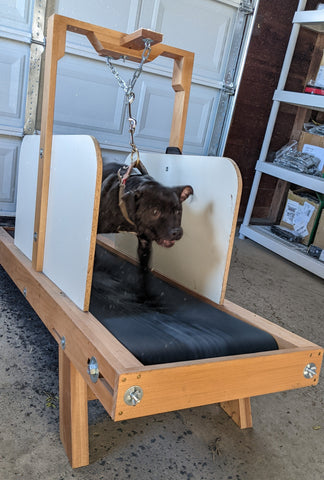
(313,20)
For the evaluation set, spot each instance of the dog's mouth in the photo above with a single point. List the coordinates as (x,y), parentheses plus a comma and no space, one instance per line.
(166,243)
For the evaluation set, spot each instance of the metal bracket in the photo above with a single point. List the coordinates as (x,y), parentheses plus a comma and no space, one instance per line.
(310,370)
(133,395)
(36,51)
(93,369)
(246,7)
(228,88)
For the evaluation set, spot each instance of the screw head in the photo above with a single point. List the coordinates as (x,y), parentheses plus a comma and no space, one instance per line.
(310,370)
(133,396)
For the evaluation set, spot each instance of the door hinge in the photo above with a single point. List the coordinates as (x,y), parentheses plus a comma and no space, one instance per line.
(228,88)
(246,7)
(39,42)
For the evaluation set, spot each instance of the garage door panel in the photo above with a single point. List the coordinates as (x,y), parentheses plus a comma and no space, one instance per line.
(9,150)
(14,59)
(203,27)
(16,14)
(155,105)
(88,97)
(200,109)
(121,15)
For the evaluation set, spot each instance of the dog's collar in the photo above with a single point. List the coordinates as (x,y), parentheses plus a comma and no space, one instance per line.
(122,185)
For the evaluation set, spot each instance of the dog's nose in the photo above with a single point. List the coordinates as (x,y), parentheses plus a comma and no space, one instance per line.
(176,233)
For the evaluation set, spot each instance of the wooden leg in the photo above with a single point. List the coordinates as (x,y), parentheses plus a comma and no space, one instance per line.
(239,411)
(73,412)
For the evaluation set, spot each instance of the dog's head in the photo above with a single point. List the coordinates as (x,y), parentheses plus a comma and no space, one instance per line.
(157,211)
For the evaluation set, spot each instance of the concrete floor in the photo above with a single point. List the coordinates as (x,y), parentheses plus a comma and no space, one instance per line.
(286,443)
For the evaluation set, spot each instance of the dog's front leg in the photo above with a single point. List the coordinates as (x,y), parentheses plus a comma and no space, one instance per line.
(144,255)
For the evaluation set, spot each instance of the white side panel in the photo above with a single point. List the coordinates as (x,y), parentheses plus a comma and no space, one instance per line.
(26,194)
(70,214)
(198,261)
(70,210)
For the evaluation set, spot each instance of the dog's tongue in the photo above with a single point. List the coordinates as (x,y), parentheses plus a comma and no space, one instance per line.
(166,243)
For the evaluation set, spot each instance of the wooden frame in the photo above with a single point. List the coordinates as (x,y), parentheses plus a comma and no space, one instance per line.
(106,43)
(166,387)
(81,336)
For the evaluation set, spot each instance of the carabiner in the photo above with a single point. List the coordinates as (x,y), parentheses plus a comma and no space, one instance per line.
(136,162)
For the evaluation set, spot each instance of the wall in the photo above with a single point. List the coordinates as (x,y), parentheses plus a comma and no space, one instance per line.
(261,73)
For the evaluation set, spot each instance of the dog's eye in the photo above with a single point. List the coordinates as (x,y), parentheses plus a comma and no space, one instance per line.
(156,212)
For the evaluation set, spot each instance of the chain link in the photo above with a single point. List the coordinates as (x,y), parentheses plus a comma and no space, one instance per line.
(130,95)
(128,87)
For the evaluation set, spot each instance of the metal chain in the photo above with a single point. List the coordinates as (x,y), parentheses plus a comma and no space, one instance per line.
(130,95)
(128,87)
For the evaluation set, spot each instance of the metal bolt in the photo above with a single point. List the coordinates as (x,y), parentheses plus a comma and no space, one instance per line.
(35,236)
(133,396)
(93,369)
(63,343)
(310,370)
(41,152)
(25,292)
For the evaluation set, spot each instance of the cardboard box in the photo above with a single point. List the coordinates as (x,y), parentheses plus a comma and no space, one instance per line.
(319,235)
(301,213)
(313,144)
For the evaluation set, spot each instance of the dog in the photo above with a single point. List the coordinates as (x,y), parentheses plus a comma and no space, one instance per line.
(137,203)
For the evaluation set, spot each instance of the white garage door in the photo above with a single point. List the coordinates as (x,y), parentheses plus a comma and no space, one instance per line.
(88,98)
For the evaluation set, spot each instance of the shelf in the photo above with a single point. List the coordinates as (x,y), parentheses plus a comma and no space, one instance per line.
(295,253)
(304,180)
(311,19)
(315,102)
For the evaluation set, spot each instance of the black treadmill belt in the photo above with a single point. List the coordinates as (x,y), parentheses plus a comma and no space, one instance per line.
(175,327)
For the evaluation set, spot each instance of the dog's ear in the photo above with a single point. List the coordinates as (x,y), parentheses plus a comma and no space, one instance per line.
(184,192)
